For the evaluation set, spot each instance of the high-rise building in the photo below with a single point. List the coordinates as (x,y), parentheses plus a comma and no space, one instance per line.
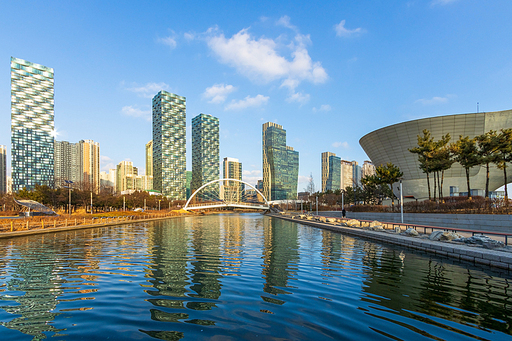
(368,169)
(125,176)
(78,162)
(346,174)
(325,169)
(333,182)
(205,150)
(232,169)
(3,169)
(62,162)
(149,165)
(169,145)
(280,164)
(189,181)
(112,177)
(32,124)
(356,174)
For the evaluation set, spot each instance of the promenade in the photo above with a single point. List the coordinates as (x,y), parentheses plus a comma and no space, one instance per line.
(501,259)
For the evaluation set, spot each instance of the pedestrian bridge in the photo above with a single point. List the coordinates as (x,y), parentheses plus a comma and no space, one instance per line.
(227,193)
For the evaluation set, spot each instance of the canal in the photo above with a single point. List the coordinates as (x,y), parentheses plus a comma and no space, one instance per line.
(241,277)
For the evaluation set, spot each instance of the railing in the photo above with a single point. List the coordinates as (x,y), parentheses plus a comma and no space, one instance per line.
(222,203)
(432,228)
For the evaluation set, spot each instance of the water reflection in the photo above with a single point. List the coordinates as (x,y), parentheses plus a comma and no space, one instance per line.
(240,277)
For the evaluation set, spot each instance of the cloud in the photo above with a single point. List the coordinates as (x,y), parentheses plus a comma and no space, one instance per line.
(247,102)
(106,163)
(435,100)
(149,90)
(442,2)
(218,93)
(251,177)
(129,110)
(298,97)
(259,59)
(189,36)
(341,31)
(340,144)
(323,107)
(169,41)
(285,21)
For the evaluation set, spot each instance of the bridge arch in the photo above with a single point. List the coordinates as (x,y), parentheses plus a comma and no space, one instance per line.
(224,204)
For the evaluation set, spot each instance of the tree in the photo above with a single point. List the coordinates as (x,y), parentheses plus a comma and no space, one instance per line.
(488,147)
(504,154)
(441,160)
(425,148)
(389,174)
(465,153)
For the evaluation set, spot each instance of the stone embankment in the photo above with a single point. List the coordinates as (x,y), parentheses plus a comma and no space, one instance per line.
(477,249)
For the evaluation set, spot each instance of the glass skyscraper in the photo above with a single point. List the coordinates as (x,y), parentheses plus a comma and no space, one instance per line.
(169,145)
(280,164)
(334,178)
(3,168)
(232,169)
(32,124)
(205,150)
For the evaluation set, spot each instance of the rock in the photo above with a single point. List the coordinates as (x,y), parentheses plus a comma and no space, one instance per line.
(480,239)
(331,220)
(309,217)
(302,216)
(321,219)
(447,236)
(411,232)
(435,235)
(375,223)
(398,229)
(353,223)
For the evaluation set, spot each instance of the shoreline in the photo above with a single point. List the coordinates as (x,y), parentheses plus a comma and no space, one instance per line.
(474,255)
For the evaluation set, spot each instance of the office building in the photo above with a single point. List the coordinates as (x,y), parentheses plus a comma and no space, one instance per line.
(368,169)
(280,164)
(3,169)
(356,174)
(32,125)
(205,150)
(125,177)
(325,169)
(149,165)
(347,174)
(232,169)
(62,162)
(169,145)
(89,165)
(189,181)
(333,182)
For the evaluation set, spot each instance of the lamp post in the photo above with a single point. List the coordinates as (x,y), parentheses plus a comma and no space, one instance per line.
(124,204)
(144,204)
(159,204)
(69,183)
(91,202)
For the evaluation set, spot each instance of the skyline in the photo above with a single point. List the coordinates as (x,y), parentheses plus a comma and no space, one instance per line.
(380,63)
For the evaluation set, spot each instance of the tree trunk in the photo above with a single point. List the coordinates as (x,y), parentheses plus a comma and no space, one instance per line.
(505,174)
(442,180)
(435,186)
(487,182)
(467,180)
(428,185)
(392,197)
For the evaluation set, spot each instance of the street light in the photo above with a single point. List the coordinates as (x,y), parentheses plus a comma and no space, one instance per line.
(401,202)
(69,184)
(159,204)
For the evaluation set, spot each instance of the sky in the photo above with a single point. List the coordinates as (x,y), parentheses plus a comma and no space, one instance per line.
(329,72)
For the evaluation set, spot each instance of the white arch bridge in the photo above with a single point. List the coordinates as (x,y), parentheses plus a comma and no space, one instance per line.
(223,193)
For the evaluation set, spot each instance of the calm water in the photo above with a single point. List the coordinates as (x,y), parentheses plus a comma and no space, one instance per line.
(233,277)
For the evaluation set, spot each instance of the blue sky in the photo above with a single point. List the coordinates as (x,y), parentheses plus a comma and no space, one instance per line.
(328,71)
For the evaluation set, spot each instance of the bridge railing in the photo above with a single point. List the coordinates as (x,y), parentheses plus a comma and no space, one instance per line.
(222,203)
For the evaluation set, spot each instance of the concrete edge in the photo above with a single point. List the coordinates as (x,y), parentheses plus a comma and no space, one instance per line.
(14,234)
(479,256)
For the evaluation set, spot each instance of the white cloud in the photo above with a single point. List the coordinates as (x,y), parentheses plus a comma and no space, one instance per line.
(251,177)
(149,90)
(169,41)
(323,107)
(342,31)
(340,144)
(248,101)
(435,100)
(189,36)
(106,163)
(259,59)
(129,110)
(285,21)
(442,2)
(298,97)
(218,93)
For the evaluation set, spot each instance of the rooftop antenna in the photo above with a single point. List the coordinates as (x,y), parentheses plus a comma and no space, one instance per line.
(477,107)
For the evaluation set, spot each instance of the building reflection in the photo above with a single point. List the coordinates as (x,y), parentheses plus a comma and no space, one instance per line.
(280,256)
(413,286)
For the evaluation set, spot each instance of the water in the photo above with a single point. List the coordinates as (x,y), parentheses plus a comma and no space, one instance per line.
(240,277)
